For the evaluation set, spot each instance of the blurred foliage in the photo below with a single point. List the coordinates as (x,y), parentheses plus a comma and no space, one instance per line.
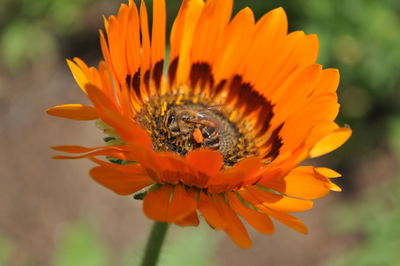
(394,135)
(5,250)
(80,246)
(30,30)
(375,219)
(189,243)
(181,247)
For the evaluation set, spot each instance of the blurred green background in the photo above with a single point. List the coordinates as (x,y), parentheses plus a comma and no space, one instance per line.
(51,213)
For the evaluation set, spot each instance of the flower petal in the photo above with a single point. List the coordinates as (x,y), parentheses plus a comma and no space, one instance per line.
(288,220)
(234,227)
(279,202)
(105,152)
(182,36)
(78,74)
(190,220)
(213,19)
(238,34)
(182,204)
(169,204)
(121,182)
(79,149)
(127,129)
(74,111)
(270,30)
(210,212)
(328,172)
(303,182)
(158,31)
(282,217)
(331,142)
(242,174)
(259,221)
(155,203)
(205,161)
(221,217)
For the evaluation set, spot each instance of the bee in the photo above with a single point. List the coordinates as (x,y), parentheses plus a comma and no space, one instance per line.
(203,125)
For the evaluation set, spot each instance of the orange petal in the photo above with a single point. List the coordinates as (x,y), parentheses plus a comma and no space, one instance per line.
(120,182)
(134,169)
(183,38)
(213,19)
(155,204)
(288,204)
(168,166)
(292,94)
(280,64)
(190,220)
(133,39)
(182,204)
(288,220)
(280,202)
(210,212)
(259,221)
(177,31)
(302,182)
(99,99)
(78,74)
(106,152)
(106,82)
(329,173)
(329,81)
(310,53)
(77,149)
(158,31)
(127,129)
(116,48)
(234,227)
(318,130)
(334,187)
(146,50)
(282,217)
(243,173)
(205,161)
(238,34)
(331,142)
(104,49)
(270,30)
(261,195)
(74,111)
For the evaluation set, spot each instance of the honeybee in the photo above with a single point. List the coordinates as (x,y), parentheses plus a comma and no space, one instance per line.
(186,122)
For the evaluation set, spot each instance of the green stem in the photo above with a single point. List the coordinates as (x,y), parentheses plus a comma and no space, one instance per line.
(154,244)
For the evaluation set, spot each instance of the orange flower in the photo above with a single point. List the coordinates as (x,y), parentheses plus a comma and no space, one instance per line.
(222,133)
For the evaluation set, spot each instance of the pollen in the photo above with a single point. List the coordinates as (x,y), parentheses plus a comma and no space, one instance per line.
(182,123)
(198,135)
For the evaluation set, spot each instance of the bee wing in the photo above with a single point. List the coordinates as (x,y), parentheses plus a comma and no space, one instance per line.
(202,115)
(211,108)
(216,107)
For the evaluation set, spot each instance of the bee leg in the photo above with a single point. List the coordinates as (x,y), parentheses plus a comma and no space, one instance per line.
(212,143)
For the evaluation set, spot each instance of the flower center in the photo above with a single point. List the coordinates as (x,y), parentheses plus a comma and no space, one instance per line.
(182,123)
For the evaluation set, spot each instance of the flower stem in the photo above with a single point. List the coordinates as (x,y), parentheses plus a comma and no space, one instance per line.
(154,244)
